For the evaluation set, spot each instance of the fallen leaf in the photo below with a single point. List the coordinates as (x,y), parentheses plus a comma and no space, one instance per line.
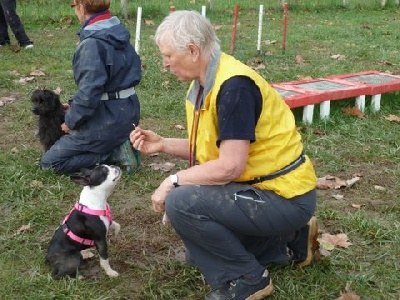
(269,42)
(339,240)
(179,127)
(58,90)
(379,188)
(14,150)
(348,294)
(166,167)
(22,229)
(149,22)
(299,59)
(353,111)
(338,196)
(352,181)
(318,132)
(338,57)
(87,253)
(36,183)
(358,206)
(330,182)
(7,100)
(393,118)
(26,79)
(37,73)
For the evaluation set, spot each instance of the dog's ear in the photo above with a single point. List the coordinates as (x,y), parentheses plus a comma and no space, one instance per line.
(80,179)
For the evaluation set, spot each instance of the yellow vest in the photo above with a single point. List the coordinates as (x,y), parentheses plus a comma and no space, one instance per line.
(277,144)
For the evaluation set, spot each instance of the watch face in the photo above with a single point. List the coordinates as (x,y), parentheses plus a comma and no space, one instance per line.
(174,180)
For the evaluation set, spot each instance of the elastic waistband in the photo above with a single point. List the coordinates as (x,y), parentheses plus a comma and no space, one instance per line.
(290,167)
(119,94)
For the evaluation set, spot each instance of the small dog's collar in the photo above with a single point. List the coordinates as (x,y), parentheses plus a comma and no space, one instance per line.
(94,212)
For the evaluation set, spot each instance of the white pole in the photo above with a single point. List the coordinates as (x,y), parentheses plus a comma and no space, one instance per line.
(124,8)
(260,16)
(203,10)
(138,24)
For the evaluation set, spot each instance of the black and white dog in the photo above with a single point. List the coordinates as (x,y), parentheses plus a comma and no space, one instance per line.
(46,104)
(86,225)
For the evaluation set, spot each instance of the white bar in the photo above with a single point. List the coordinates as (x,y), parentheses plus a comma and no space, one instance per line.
(124,8)
(138,24)
(360,102)
(324,110)
(203,10)
(308,112)
(376,102)
(260,17)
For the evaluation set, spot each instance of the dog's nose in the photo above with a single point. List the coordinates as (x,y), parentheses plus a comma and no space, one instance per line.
(35,110)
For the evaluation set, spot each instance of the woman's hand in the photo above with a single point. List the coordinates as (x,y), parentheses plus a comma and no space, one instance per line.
(65,128)
(146,141)
(158,197)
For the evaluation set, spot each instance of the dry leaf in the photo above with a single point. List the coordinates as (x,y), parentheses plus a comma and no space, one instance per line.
(217,27)
(338,57)
(179,127)
(166,167)
(358,206)
(7,100)
(318,132)
(299,59)
(37,73)
(352,181)
(149,22)
(87,253)
(348,294)
(393,118)
(330,182)
(268,42)
(58,90)
(22,229)
(36,183)
(338,196)
(379,188)
(339,240)
(353,111)
(24,80)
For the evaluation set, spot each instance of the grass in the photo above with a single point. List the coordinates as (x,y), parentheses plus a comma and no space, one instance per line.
(144,254)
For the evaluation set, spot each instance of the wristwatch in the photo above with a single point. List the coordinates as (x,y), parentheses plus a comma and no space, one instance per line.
(174,180)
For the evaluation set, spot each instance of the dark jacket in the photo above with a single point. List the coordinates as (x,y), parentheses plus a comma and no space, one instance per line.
(104,61)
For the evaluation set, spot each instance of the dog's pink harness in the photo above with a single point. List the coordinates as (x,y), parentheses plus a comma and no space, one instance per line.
(106,213)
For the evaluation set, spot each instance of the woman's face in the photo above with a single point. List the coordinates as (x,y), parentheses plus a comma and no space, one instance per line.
(183,64)
(80,12)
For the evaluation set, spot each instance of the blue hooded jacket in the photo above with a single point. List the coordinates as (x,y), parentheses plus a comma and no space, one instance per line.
(104,61)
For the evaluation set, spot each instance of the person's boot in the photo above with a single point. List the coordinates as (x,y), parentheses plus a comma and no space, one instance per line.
(305,244)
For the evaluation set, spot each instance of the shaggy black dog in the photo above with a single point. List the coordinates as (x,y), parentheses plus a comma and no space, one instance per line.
(47,105)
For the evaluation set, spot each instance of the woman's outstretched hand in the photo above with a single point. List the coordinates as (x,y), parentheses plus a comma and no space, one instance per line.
(146,141)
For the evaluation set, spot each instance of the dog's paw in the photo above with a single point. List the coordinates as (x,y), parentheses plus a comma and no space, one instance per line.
(112,273)
(116,227)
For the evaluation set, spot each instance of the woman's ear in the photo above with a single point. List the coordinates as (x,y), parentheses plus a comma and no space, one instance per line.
(194,51)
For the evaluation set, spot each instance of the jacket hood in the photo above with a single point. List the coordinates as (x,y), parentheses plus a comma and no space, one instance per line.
(111,31)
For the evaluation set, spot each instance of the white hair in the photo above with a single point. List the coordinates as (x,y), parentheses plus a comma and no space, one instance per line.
(184,27)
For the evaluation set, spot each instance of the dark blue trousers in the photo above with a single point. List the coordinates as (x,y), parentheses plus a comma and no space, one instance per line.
(72,152)
(9,17)
(236,229)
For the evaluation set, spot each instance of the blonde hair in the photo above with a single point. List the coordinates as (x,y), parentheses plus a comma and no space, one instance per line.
(183,27)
